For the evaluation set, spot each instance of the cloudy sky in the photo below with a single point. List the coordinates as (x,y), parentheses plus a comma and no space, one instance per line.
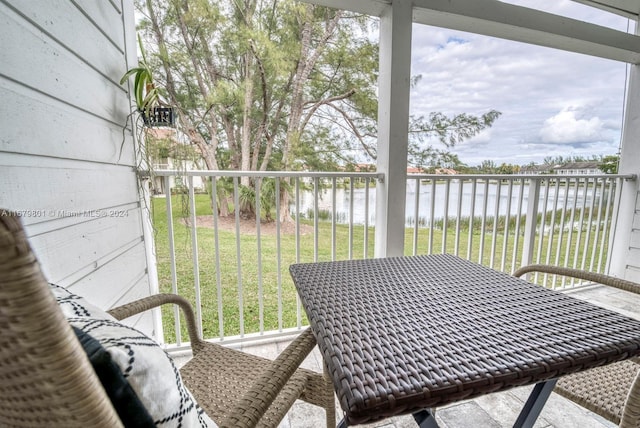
(552,102)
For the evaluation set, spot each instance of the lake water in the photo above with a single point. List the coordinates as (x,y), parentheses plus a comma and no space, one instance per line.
(497,199)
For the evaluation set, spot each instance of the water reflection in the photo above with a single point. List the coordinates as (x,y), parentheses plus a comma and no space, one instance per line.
(465,198)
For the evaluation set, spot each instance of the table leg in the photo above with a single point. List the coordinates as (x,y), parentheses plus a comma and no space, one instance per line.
(534,404)
(426,419)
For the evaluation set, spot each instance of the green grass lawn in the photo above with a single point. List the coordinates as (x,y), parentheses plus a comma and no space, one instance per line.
(263,263)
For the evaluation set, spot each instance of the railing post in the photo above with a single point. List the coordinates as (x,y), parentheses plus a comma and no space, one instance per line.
(531,221)
(194,253)
(614,227)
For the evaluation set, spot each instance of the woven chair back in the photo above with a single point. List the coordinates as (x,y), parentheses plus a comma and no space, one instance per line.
(46,379)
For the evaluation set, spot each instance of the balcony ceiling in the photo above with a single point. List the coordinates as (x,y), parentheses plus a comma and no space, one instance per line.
(519,23)
(626,8)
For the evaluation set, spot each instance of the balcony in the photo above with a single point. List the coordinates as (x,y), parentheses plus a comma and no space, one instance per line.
(74,171)
(236,268)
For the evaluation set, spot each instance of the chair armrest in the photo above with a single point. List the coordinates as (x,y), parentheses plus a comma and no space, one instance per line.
(631,409)
(150,302)
(600,278)
(255,402)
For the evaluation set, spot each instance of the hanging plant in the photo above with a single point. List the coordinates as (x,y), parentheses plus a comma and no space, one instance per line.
(147,96)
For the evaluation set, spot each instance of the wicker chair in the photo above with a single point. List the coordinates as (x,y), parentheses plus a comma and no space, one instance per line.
(611,391)
(47,380)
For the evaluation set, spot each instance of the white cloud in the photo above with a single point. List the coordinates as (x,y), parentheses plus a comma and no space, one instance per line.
(567,127)
(483,137)
(532,86)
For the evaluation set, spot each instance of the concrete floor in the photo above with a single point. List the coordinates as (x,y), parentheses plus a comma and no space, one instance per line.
(491,411)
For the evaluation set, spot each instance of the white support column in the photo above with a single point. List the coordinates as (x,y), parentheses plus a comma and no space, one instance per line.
(629,155)
(623,234)
(393,121)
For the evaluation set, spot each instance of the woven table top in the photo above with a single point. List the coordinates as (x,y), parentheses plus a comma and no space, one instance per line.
(407,333)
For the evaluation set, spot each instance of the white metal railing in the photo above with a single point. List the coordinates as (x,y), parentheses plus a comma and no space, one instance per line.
(235,269)
(518,219)
(246,265)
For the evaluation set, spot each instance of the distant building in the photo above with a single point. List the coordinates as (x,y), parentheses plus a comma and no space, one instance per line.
(161,158)
(535,169)
(364,167)
(569,168)
(577,168)
(446,171)
(414,170)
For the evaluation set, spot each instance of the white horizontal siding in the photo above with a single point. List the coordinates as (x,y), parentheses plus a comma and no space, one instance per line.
(632,272)
(635,228)
(125,267)
(107,16)
(82,246)
(65,162)
(54,188)
(633,258)
(33,123)
(71,28)
(634,241)
(30,57)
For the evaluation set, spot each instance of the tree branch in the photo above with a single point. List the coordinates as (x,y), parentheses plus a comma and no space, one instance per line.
(318,104)
(354,129)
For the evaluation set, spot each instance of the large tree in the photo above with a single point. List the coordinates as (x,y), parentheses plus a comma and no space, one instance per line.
(261,78)
(278,84)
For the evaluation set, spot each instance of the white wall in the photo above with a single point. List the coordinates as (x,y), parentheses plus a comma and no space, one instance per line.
(625,256)
(63,162)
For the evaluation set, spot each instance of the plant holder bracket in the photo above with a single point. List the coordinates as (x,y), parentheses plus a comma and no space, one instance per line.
(159,116)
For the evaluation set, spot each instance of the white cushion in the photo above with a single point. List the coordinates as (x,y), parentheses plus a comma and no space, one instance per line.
(147,367)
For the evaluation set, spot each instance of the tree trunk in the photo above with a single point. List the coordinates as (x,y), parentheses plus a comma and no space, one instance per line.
(308,59)
(285,215)
(247,121)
